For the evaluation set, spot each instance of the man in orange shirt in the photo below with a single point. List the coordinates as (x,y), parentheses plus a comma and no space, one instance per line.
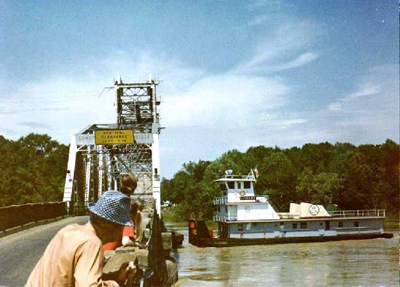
(75,256)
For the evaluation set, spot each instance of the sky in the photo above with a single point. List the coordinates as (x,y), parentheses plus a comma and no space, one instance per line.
(233,74)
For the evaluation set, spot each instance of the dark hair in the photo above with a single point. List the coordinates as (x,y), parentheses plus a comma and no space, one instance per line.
(101,222)
(134,208)
(128,184)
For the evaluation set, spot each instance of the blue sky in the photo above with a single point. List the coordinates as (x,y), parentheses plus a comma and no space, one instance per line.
(233,74)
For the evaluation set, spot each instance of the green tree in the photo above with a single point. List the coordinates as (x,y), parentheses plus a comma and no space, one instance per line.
(325,187)
(305,185)
(277,179)
(32,169)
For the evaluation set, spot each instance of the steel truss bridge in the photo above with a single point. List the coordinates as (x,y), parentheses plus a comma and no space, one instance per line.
(101,153)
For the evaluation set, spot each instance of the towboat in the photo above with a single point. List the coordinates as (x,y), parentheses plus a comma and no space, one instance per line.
(245,218)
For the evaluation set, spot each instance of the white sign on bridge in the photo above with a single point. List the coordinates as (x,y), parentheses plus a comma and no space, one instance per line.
(85,139)
(143,138)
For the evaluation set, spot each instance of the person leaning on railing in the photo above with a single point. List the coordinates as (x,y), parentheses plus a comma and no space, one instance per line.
(133,236)
(128,184)
(75,256)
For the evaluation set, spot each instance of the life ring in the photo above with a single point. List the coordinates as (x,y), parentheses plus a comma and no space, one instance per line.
(242,193)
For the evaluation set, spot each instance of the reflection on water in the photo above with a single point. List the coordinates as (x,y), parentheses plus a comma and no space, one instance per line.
(342,263)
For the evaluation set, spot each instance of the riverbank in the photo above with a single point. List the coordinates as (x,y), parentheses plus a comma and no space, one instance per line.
(391,222)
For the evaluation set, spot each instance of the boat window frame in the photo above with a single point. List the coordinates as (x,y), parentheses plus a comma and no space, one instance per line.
(248,226)
(303,225)
(294,225)
(223,188)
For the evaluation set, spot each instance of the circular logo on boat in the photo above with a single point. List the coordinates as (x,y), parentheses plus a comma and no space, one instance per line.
(242,193)
(314,209)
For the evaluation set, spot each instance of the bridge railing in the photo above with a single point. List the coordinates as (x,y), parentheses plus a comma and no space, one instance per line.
(18,215)
(78,207)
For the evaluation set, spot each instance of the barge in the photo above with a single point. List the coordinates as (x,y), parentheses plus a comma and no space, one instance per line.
(247,219)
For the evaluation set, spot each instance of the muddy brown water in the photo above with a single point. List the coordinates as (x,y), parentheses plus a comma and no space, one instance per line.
(373,262)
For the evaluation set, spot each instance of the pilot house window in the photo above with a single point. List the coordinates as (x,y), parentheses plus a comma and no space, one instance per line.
(223,189)
(247,184)
(231,185)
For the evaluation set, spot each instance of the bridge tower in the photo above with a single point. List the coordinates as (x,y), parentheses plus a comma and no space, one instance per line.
(101,153)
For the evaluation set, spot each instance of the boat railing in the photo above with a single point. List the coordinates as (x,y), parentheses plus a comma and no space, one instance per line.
(224,218)
(255,198)
(358,213)
(221,200)
(233,176)
(358,230)
(262,198)
(288,215)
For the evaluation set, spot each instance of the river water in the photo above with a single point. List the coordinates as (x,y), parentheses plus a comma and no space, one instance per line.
(373,262)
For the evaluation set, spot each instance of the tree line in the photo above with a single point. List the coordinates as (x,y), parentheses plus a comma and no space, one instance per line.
(352,177)
(32,169)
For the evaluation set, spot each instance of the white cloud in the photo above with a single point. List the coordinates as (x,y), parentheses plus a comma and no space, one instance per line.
(58,105)
(370,113)
(335,107)
(63,105)
(301,60)
(352,100)
(276,52)
(224,101)
(366,89)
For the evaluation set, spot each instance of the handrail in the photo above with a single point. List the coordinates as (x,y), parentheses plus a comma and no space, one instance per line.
(358,213)
(224,199)
(358,229)
(288,215)
(224,218)
(235,176)
(220,200)
(262,196)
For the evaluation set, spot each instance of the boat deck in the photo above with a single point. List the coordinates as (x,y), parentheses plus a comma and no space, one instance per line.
(334,215)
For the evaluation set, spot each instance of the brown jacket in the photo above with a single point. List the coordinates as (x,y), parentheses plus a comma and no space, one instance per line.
(73,258)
